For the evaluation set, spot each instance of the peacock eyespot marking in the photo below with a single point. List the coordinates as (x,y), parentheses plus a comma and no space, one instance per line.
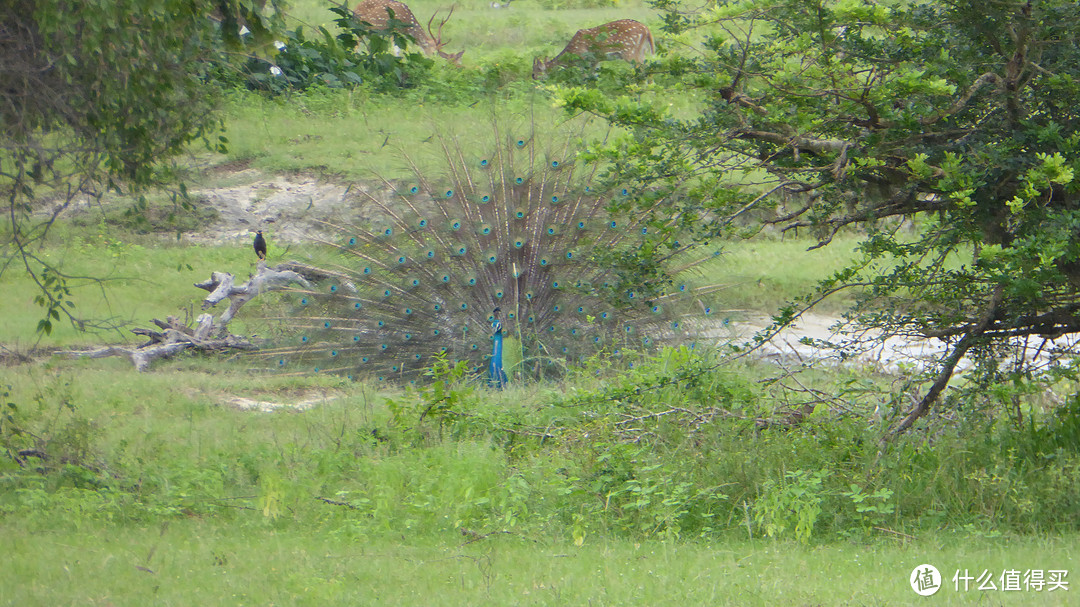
(352,240)
(367,270)
(303,301)
(449,193)
(333,288)
(422,223)
(554,200)
(520,143)
(485,198)
(484,162)
(357,306)
(326,325)
(554,164)
(414,189)
(388,232)
(402,259)
(614,224)
(519,180)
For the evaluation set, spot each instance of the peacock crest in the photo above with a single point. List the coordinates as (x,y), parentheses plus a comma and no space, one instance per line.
(516,229)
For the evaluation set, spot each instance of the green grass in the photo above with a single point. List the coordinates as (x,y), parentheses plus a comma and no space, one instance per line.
(156,489)
(160,471)
(198,562)
(143,277)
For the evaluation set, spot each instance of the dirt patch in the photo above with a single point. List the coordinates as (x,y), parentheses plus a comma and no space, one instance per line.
(309,401)
(290,209)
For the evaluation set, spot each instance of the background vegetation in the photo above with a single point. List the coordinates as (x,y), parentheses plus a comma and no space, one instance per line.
(688,478)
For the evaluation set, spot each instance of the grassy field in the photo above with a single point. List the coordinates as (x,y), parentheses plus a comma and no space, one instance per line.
(160,488)
(607,487)
(190,562)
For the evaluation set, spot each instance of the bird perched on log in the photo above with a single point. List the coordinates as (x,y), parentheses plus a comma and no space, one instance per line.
(260,245)
(512,226)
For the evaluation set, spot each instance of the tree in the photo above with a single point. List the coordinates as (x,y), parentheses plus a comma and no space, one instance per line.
(97,95)
(962,116)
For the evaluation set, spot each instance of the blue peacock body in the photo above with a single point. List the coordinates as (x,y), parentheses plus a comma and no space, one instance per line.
(515,229)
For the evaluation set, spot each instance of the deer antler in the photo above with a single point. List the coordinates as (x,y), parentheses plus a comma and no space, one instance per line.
(437,38)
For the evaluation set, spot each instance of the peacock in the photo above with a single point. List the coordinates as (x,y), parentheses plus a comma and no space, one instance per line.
(499,252)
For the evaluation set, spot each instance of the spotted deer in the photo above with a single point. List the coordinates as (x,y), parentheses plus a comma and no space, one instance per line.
(378,13)
(623,39)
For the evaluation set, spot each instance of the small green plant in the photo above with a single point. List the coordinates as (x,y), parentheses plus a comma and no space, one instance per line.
(440,398)
(791,505)
(871,508)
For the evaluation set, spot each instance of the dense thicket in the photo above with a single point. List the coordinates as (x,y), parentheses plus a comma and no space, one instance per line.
(961,116)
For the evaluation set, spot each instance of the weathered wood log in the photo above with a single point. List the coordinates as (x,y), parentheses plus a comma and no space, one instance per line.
(207,334)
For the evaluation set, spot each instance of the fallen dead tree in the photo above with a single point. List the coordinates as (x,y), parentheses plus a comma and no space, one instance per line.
(209,334)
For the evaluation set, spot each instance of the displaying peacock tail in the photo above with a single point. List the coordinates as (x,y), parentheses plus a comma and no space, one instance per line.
(514,229)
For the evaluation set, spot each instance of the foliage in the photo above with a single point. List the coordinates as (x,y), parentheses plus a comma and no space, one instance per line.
(792,504)
(840,113)
(336,61)
(99,95)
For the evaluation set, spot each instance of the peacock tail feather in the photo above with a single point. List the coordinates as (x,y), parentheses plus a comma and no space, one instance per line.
(514,228)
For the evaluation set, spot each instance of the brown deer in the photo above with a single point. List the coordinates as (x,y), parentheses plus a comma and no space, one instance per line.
(623,39)
(377,13)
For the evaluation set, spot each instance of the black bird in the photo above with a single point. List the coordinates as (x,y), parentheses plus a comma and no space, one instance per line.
(260,245)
